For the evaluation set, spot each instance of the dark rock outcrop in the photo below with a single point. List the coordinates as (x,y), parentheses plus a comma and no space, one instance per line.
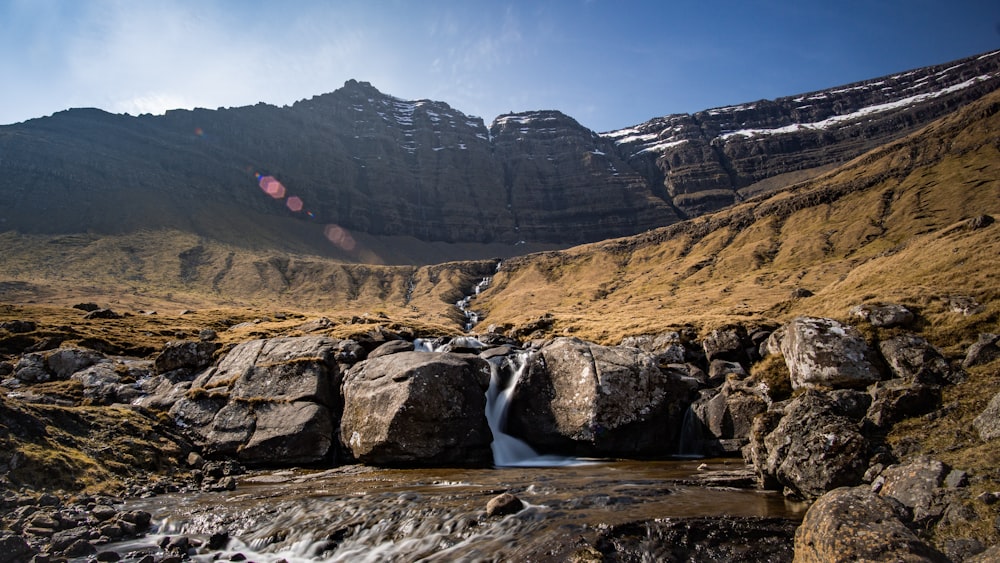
(583,399)
(721,421)
(729,538)
(415,408)
(811,445)
(914,359)
(267,402)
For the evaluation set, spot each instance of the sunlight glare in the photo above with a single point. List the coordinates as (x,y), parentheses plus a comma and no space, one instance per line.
(340,237)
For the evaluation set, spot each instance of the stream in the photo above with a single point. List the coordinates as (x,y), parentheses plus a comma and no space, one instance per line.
(357,513)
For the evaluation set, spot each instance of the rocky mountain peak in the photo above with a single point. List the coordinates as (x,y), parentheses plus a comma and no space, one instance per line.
(375,164)
(712,158)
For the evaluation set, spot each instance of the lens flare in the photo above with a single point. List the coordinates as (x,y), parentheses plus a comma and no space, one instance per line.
(294,203)
(339,237)
(272,187)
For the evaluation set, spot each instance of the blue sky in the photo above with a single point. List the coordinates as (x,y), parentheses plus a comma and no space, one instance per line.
(609,64)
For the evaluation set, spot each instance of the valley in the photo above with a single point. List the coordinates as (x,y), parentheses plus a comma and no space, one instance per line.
(169,326)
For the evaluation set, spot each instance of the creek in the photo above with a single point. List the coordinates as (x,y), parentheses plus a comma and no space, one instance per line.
(357,513)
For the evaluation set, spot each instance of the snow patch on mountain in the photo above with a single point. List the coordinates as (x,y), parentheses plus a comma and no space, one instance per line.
(837,120)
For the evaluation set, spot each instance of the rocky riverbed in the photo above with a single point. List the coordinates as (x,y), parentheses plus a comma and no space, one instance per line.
(816,411)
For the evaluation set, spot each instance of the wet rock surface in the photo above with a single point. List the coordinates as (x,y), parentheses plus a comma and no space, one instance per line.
(700,539)
(814,446)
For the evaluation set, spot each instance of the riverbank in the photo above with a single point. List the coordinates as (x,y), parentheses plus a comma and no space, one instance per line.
(84,429)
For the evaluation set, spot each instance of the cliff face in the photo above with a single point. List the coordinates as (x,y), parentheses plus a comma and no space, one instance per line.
(566,184)
(713,158)
(374,164)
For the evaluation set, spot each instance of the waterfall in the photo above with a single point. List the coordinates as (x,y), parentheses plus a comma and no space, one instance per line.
(465,303)
(505,371)
(509,451)
(689,444)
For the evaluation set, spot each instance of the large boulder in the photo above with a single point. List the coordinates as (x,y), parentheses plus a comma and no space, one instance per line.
(417,408)
(727,344)
(64,362)
(579,398)
(39,367)
(896,399)
(667,347)
(812,445)
(854,524)
(185,354)
(912,358)
(103,385)
(884,316)
(14,548)
(918,485)
(268,402)
(825,353)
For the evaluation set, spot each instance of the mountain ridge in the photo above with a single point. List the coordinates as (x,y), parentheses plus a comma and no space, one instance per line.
(368,163)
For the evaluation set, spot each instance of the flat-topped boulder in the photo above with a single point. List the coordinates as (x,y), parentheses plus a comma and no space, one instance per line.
(417,408)
(268,402)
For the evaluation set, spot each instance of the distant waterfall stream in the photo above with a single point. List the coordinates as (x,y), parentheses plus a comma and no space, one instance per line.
(465,303)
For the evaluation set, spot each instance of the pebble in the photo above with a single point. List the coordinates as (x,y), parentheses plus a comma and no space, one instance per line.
(503,504)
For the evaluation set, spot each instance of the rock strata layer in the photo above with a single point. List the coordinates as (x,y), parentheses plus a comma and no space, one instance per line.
(358,160)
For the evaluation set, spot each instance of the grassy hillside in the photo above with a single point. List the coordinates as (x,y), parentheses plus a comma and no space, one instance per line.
(893,225)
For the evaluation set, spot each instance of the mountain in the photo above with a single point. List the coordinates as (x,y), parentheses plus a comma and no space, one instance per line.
(713,158)
(362,176)
(912,222)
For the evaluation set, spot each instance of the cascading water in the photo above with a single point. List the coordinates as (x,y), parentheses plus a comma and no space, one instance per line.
(505,372)
(366,514)
(509,451)
(464,304)
(689,445)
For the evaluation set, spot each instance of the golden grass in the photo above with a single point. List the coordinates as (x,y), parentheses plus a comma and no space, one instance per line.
(887,226)
(82,449)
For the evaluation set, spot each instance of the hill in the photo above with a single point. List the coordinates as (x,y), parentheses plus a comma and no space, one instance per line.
(900,223)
